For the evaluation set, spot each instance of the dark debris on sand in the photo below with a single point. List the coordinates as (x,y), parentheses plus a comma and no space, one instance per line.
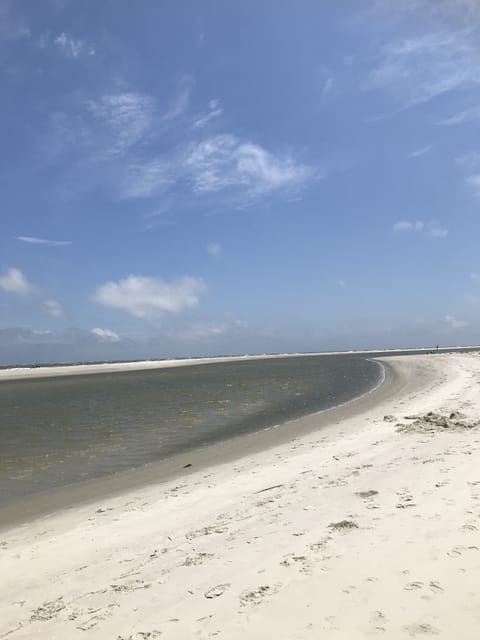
(343,525)
(433,422)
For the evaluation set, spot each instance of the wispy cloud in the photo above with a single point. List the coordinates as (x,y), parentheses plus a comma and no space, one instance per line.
(181,99)
(72,47)
(126,143)
(216,164)
(214,249)
(465,10)
(12,25)
(455,323)
(416,70)
(14,281)
(127,116)
(148,178)
(205,329)
(146,297)
(428,228)
(418,153)
(470,163)
(214,111)
(473,182)
(105,335)
(45,241)
(407,225)
(436,231)
(53,307)
(224,162)
(462,117)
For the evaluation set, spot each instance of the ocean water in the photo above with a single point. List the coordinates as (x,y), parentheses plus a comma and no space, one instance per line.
(58,431)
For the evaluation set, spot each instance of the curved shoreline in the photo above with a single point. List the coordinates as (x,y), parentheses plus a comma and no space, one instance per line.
(52,371)
(160,471)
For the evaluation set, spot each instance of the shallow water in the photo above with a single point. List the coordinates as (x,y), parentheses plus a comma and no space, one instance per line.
(56,431)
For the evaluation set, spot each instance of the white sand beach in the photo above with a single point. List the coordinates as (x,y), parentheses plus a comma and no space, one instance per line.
(367,527)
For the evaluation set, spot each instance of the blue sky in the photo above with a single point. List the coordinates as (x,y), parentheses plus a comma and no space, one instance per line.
(214,177)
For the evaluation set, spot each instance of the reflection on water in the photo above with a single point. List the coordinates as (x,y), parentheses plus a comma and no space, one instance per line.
(56,431)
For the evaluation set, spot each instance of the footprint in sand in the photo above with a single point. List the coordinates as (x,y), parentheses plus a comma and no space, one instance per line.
(367,494)
(96,619)
(48,610)
(206,531)
(198,558)
(343,525)
(412,586)
(458,551)
(435,586)
(379,620)
(254,597)
(302,561)
(217,591)
(406,500)
(418,629)
(134,585)
(142,635)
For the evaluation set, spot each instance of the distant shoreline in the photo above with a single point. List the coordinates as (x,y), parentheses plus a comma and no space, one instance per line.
(50,371)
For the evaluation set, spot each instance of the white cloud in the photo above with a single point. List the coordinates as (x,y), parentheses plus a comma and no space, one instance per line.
(473,182)
(73,47)
(468,115)
(466,10)
(327,86)
(205,329)
(429,228)
(14,281)
(179,103)
(216,164)
(406,225)
(416,70)
(52,243)
(105,335)
(201,330)
(418,153)
(149,178)
(202,121)
(469,160)
(145,297)
(123,142)
(53,307)
(455,323)
(224,161)
(214,111)
(128,116)
(437,231)
(214,249)
(12,25)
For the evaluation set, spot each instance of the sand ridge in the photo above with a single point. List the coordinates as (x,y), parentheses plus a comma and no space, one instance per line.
(366,528)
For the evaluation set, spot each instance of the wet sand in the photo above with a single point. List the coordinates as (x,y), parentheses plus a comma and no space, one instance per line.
(366,526)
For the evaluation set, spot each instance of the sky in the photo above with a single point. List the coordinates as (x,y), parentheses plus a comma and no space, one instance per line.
(226,177)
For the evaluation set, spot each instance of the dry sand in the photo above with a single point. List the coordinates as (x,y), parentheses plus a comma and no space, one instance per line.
(368,527)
